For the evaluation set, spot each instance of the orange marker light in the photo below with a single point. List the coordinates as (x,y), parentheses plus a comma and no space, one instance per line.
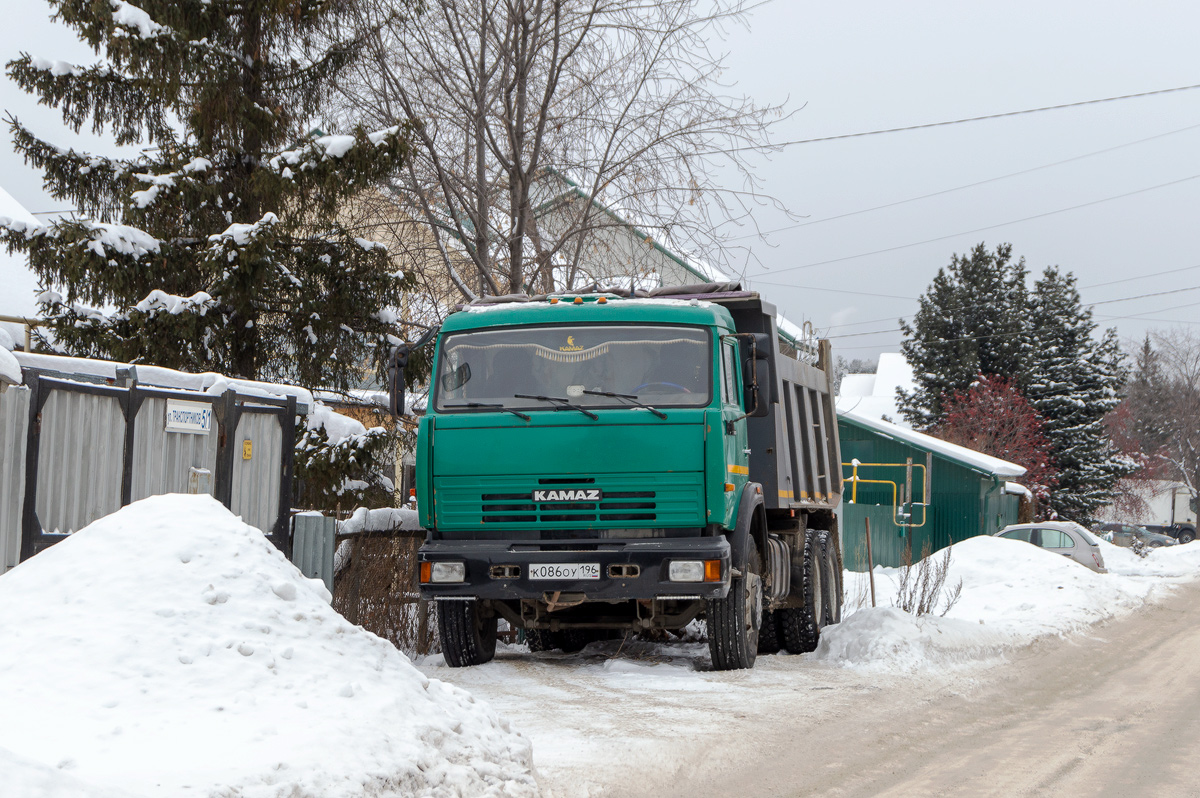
(730,487)
(712,570)
(554,301)
(578,300)
(426,573)
(602,301)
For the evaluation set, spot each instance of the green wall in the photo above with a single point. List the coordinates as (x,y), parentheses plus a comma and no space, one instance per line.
(963,501)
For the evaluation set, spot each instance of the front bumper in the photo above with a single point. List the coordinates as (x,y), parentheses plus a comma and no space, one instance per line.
(652,556)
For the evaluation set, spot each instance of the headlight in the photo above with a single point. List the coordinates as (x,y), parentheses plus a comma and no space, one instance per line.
(443,572)
(686,571)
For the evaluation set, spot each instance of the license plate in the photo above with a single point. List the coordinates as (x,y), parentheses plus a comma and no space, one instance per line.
(575,570)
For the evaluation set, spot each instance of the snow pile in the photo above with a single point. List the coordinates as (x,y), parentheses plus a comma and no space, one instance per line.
(10,369)
(338,428)
(1013,593)
(384,519)
(168,649)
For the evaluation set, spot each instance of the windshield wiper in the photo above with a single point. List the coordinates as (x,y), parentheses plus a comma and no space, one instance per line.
(517,413)
(633,400)
(564,404)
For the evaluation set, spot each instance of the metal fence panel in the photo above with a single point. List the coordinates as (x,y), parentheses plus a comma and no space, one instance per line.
(312,546)
(162,461)
(14,423)
(80,456)
(256,478)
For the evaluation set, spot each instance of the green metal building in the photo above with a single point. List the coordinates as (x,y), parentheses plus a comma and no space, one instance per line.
(949,493)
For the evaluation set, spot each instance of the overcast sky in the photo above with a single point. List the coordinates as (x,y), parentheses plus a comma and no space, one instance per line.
(859,66)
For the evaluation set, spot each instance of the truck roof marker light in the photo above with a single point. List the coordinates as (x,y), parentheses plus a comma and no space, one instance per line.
(578,300)
(602,301)
(553,300)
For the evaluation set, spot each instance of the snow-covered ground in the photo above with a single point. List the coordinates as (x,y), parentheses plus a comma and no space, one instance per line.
(169,650)
(615,706)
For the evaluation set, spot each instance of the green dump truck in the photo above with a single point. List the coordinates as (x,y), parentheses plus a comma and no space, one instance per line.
(596,464)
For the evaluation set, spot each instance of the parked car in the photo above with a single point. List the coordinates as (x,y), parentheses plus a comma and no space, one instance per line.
(1183,532)
(1125,534)
(1061,537)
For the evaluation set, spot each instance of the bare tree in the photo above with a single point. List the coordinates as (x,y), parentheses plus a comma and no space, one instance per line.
(1179,404)
(534,112)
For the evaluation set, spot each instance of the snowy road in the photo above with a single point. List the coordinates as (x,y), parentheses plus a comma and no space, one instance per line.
(1112,711)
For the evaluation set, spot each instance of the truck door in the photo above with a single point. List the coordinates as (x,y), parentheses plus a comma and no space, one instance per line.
(736,459)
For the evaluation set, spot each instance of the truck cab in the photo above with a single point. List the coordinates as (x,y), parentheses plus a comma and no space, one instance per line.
(584,470)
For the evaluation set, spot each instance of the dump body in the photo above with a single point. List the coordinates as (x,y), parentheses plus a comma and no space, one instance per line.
(596,461)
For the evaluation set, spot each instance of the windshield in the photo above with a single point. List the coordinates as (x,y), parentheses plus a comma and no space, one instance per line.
(661,366)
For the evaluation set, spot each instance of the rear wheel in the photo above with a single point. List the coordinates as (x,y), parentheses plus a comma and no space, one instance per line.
(539,640)
(770,639)
(733,622)
(801,626)
(1187,535)
(831,580)
(468,638)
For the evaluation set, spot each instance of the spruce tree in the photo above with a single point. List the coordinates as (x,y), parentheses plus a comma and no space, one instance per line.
(1073,380)
(971,321)
(220,247)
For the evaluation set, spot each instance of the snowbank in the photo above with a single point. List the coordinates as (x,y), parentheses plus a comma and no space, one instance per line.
(168,649)
(1012,594)
(10,369)
(384,519)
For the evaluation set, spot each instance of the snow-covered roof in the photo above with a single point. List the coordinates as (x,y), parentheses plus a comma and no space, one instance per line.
(20,284)
(1017,489)
(960,454)
(206,382)
(874,395)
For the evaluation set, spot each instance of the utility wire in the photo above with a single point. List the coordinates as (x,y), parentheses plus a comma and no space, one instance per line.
(968,185)
(1141,277)
(927,125)
(983,229)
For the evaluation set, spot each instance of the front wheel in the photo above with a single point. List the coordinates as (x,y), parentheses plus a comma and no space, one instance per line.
(1187,535)
(468,638)
(733,621)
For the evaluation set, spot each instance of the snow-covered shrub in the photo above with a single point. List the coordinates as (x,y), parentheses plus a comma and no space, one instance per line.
(340,463)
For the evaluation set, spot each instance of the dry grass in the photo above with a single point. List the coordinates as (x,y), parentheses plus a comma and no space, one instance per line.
(923,585)
(376,589)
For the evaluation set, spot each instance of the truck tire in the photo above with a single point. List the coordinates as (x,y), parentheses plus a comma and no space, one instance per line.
(831,580)
(1187,535)
(734,620)
(769,637)
(801,626)
(467,637)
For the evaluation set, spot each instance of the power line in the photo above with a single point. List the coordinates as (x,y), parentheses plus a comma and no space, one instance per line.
(985,228)
(1141,277)
(927,125)
(969,185)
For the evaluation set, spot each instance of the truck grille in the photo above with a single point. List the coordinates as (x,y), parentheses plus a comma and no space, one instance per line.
(510,508)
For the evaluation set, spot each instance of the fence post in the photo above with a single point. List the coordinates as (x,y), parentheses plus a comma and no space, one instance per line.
(870,561)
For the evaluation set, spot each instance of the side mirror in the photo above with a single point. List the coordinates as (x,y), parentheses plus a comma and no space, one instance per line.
(395,379)
(757,376)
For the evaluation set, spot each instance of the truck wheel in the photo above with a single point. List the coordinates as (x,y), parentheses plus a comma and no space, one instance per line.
(733,621)
(801,626)
(769,638)
(467,637)
(831,580)
(1187,535)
